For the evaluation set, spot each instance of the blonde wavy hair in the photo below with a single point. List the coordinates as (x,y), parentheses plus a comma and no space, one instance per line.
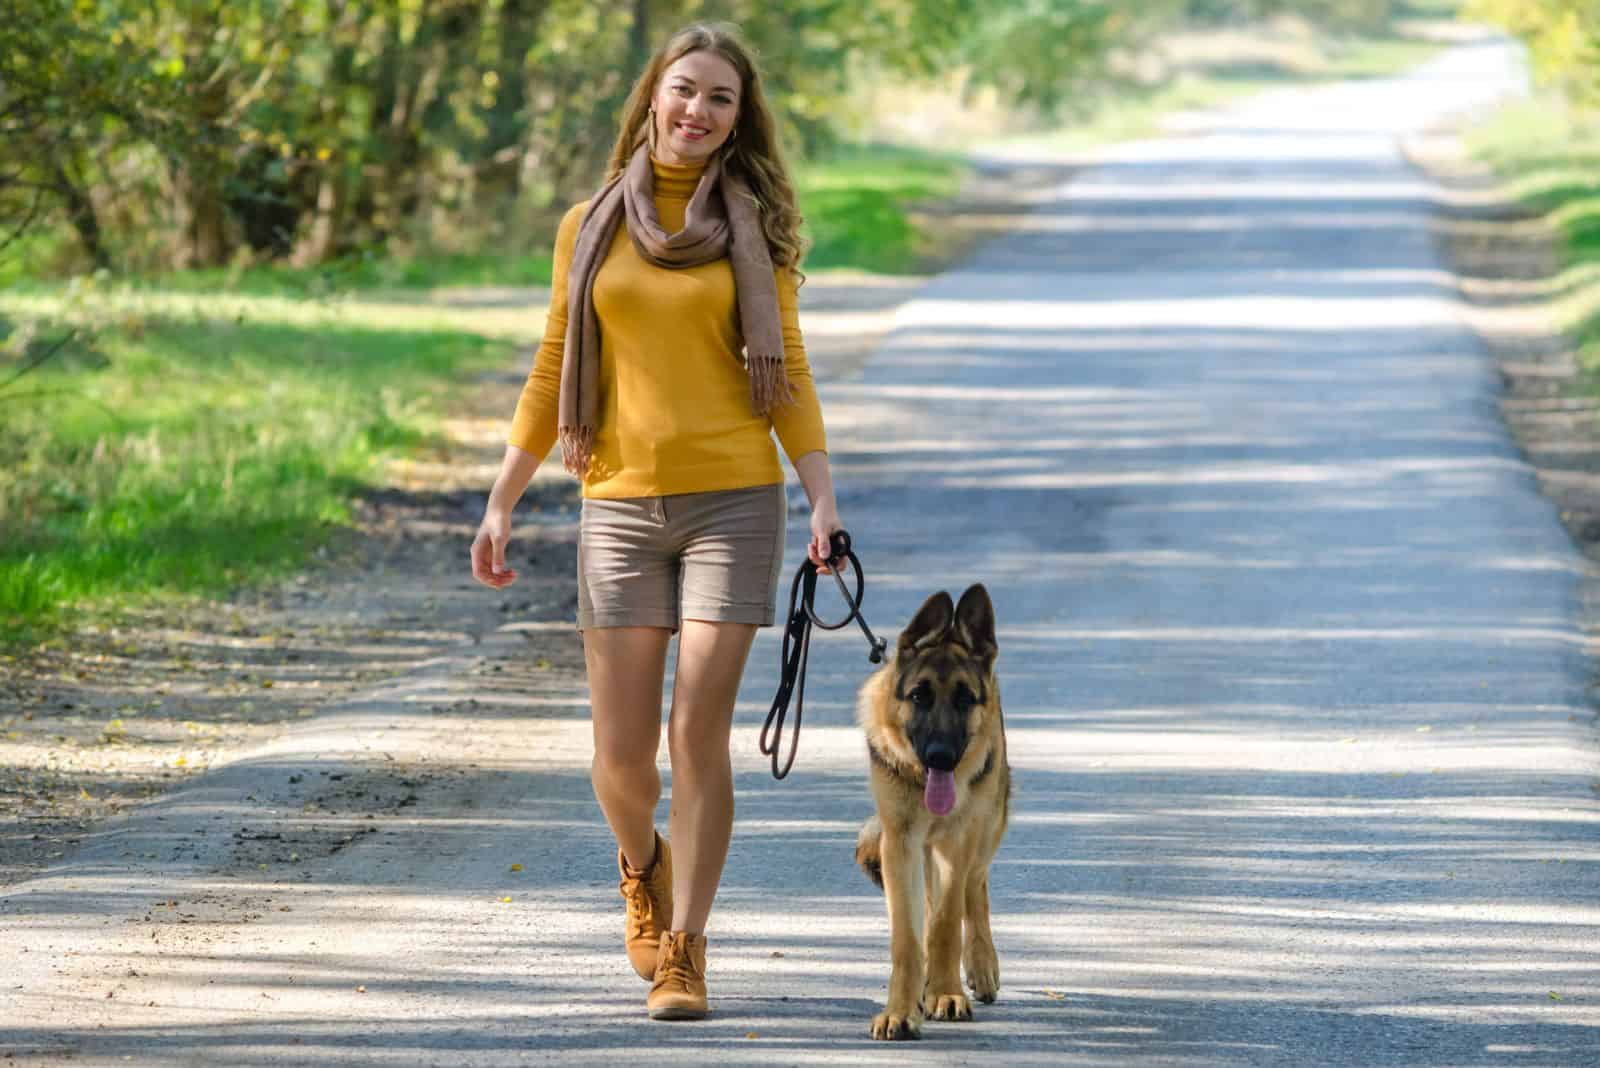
(751,152)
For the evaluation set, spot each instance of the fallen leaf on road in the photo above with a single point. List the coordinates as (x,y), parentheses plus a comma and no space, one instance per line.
(516,867)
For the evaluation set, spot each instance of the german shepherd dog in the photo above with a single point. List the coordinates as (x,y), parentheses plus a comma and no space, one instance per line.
(937,750)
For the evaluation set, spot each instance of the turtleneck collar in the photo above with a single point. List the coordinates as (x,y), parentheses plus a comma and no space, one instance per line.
(676,180)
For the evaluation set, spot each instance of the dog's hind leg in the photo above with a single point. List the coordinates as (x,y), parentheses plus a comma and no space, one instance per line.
(978,957)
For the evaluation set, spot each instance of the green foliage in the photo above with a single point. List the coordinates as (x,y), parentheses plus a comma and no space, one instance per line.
(858,206)
(199,452)
(1563,37)
(1347,14)
(203,135)
(1551,156)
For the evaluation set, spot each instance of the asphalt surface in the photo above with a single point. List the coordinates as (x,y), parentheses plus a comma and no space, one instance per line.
(1292,659)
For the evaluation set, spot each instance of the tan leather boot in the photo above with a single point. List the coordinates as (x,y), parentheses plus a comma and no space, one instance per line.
(648,895)
(679,990)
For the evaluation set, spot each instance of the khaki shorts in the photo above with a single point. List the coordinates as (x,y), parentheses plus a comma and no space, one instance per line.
(654,561)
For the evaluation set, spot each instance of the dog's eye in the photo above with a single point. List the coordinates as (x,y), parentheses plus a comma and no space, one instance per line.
(923,694)
(964,698)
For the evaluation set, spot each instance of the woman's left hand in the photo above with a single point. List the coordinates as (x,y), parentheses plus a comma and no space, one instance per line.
(824,521)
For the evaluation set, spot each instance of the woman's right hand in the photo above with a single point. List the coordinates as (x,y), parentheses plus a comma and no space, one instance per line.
(489,549)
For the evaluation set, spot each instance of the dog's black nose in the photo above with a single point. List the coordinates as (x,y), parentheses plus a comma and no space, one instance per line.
(940,756)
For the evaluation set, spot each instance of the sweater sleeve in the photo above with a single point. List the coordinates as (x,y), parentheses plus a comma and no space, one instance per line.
(799,425)
(533,426)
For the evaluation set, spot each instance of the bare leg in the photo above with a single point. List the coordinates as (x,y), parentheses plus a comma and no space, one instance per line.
(711,659)
(626,668)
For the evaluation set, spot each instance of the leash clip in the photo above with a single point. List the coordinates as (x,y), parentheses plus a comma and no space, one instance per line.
(840,544)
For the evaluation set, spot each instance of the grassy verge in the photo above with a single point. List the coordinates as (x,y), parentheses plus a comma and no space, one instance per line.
(159,453)
(1549,155)
(857,205)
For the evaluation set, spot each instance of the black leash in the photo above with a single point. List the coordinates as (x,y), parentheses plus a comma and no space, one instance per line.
(797,643)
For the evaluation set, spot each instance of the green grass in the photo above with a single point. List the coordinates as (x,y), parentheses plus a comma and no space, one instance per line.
(1549,154)
(856,205)
(175,455)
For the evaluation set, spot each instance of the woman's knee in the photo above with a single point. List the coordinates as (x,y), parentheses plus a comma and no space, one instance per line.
(624,771)
(699,754)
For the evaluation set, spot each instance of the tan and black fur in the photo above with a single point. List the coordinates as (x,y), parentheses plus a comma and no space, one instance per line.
(937,704)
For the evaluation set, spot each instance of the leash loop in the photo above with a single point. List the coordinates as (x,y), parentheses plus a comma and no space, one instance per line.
(796,649)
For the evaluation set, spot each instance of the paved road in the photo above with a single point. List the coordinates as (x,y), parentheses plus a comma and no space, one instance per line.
(1293,670)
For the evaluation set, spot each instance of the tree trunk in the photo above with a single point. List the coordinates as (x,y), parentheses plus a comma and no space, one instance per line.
(204,239)
(321,237)
(81,214)
(640,45)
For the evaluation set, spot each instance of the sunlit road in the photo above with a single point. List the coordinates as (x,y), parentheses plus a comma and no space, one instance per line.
(1292,663)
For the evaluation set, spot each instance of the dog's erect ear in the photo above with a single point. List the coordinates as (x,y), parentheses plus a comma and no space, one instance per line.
(930,622)
(975,622)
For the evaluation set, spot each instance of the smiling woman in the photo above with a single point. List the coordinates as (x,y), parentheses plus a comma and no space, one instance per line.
(672,352)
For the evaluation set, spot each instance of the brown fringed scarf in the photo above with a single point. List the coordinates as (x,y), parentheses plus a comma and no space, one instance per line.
(721,220)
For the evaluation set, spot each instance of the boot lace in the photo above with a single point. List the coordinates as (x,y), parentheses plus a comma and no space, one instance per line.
(677,966)
(637,896)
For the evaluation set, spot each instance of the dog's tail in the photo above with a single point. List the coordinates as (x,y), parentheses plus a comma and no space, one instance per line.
(869,852)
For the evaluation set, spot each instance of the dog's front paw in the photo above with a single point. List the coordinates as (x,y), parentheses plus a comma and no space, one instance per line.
(983,971)
(948,1007)
(896,1027)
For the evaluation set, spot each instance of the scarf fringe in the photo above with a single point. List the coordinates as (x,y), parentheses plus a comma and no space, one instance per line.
(577,446)
(769,384)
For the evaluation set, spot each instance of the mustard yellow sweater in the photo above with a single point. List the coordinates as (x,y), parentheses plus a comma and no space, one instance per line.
(674,411)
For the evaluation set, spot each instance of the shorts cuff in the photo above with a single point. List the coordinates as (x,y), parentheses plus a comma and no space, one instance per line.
(760,615)
(601,620)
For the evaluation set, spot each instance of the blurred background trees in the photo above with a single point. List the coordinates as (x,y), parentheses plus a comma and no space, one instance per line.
(155,134)
(1563,38)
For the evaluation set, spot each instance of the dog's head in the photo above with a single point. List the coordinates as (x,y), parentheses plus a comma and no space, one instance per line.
(944,682)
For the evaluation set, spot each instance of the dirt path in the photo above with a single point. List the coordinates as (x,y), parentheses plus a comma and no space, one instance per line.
(115,715)
(1294,684)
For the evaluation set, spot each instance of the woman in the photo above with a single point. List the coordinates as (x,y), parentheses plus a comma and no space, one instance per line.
(671,353)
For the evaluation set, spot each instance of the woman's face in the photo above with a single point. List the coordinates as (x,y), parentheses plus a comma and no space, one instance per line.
(697,106)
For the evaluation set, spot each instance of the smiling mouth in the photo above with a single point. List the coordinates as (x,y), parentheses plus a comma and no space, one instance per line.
(694,133)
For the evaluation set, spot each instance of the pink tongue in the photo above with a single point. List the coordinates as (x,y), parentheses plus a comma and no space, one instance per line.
(940,793)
